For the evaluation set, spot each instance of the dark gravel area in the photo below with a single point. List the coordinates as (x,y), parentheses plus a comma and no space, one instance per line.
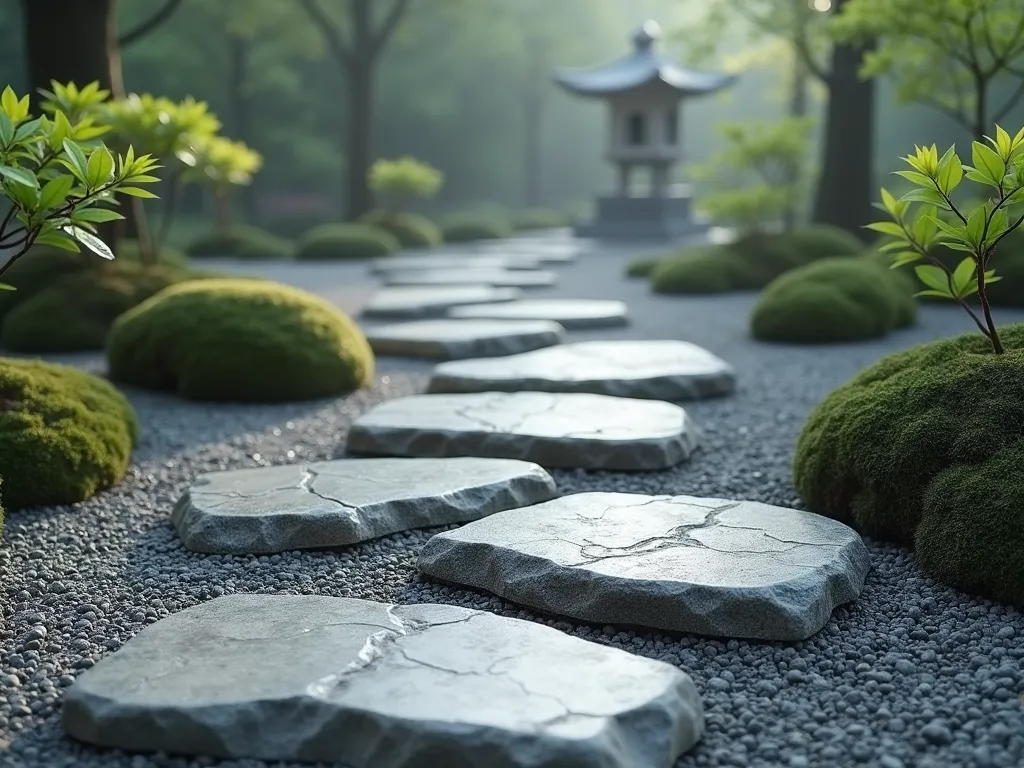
(911,674)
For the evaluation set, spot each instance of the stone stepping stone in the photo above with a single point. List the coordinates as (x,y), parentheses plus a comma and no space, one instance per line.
(554,430)
(338,503)
(386,264)
(412,303)
(656,370)
(369,685)
(547,252)
(710,566)
(572,314)
(458,339)
(502,278)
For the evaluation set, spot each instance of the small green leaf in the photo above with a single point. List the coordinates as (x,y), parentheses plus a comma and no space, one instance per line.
(981,178)
(950,174)
(21,176)
(96,215)
(888,201)
(58,240)
(963,274)
(1003,143)
(917,178)
(27,129)
(905,257)
(76,160)
(930,196)
(887,228)
(55,192)
(100,167)
(934,277)
(135,192)
(938,294)
(6,129)
(976,225)
(987,162)
(6,287)
(91,242)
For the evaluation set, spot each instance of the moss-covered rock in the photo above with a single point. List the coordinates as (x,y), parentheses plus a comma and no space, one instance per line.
(64,434)
(538,218)
(706,269)
(832,300)
(643,266)
(1,507)
(471,227)
(76,311)
(239,341)
(242,242)
(410,229)
(346,241)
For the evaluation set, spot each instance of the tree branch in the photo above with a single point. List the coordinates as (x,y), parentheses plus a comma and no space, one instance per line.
(387,28)
(169,8)
(331,32)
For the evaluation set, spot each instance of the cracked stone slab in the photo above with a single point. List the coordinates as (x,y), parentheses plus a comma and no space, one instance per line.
(338,503)
(419,302)
(386,264)
(569,313)
(459,339)
(502,278)
(370,685)
(655,370)
(715,567)
(552,429)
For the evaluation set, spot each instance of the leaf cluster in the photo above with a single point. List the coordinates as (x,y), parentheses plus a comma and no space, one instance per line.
(404,178)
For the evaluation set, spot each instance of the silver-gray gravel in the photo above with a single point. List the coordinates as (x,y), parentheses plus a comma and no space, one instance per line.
(913,674)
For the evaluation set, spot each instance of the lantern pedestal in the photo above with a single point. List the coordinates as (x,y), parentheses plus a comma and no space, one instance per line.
(642,219)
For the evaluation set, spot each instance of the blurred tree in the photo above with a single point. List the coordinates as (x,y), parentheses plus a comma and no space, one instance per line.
(947,54)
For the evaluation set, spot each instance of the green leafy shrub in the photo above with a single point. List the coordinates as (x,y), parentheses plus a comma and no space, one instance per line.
(239,341)
(397,182)
(410,229)
(242,242)
(832,300)
(64,434)
(538,218)
(76,311)
(469,227)
(643,266)
(346,241)
(919,448)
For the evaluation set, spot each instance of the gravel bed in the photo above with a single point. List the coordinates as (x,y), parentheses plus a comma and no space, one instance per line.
(912,674)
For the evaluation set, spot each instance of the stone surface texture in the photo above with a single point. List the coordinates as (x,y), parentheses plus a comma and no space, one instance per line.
(460,339)
(736,569)
(411,302)
(386,264)
(371,685)
(570,313)
(554,430)
(338,503)
(655,370)
(468,275)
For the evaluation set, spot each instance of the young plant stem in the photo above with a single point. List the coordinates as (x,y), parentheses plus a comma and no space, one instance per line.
(993,333)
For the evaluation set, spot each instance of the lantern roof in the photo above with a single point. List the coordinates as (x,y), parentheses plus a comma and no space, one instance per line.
(643,67)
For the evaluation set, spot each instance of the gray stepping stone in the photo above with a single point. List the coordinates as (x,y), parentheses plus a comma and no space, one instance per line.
(458,339)
(369,685)
(386,264)
(338,503)
(569,313)
(544,251)
(553,430)
(413,303)
(656,370)
(709,566)
(503,278)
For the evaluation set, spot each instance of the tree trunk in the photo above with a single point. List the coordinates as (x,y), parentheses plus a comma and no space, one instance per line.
(359,198)
(797,109)
(845,188)
(240,107)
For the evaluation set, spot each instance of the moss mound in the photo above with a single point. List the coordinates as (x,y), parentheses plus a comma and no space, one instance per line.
(75,313)
(924,447)
(36,270)
(643,266)
(470,227)
(410,229)
(237,340)
(346,241)
(242,242)
(832,300)
(538,218)
(64,434)
(751,262)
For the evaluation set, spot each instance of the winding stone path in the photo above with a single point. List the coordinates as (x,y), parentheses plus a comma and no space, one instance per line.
(337,503)
(554,430)
(468,275)
(737,569)
(385,264)
(569,313)
(413,303)
(656,370)
(459,339)
(369,685)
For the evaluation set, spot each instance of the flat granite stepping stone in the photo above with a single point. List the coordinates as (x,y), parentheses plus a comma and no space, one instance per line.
(554,430)
(370,685)
(502,278)
(410,303)
(569,313)
(338,503)
(737,569)
(386,264)
(458,339)
(656,370)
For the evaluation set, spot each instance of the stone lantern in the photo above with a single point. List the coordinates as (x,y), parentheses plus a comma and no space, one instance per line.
(643,92)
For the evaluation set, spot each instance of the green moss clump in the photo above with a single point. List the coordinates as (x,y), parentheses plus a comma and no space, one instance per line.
(410,229)
(832,300)
(242,242)
(1,508)
(643,266)
(470,227)
(346,241)
(538,218)
(75,313)
(236,340)
(36,270)
(64,434)
(704,269)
